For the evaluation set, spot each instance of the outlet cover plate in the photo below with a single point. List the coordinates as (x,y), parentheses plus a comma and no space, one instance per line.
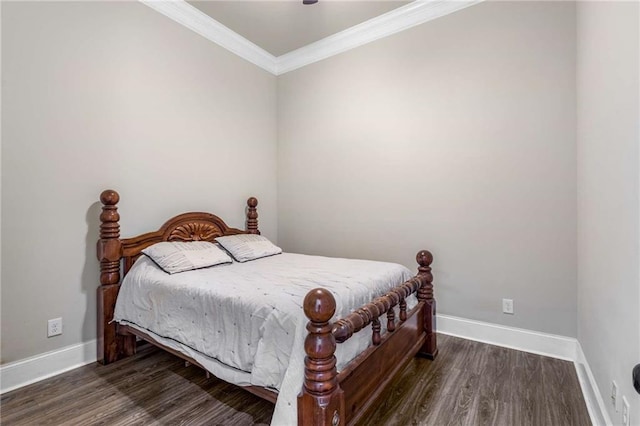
(626,420)
(54,327)
(507,306)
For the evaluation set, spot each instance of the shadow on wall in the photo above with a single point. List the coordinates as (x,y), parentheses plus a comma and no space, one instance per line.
(91,271)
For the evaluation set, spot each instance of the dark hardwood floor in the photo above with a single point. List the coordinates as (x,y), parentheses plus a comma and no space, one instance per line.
(470,383)
(473,383)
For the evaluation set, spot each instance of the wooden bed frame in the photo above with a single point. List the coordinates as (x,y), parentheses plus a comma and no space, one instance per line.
(328,397)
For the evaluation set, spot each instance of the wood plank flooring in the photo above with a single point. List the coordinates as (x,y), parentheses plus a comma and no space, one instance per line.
(470,383)
(473,383)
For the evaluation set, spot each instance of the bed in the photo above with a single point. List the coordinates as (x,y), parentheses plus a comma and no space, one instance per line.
(331,375)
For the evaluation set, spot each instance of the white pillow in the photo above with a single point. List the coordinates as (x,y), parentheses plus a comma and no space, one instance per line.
(175,257)
(245,247)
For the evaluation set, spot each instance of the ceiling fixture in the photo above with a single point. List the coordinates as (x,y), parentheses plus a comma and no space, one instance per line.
(309,1)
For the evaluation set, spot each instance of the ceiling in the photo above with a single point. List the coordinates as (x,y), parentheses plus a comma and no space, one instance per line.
(284,25)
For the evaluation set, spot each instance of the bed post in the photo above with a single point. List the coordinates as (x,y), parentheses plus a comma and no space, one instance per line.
(321,402)
(252,216)
(111,346)
(425,294)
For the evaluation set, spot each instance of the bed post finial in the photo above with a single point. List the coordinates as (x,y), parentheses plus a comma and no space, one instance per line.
(424,259)
(109,247)
(425,294)
(321,401)
(252,216)
(111,346)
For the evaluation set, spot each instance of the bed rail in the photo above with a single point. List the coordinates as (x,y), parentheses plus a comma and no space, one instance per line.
(322,400)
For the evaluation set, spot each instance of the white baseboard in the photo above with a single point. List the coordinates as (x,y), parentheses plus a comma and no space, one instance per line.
(30,370)
(592,396)
(509,337)
(546,344)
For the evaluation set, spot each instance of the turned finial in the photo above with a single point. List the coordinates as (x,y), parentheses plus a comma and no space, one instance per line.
(252,216)
(109,217)
(424,258)
(109,247)
(109,197)
(321,401)
(319,345)
(319,305)
(425,295)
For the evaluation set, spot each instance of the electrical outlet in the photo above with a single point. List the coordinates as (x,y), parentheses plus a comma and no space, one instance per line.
(54,327)
(626,420)
(507,306)
(614,395)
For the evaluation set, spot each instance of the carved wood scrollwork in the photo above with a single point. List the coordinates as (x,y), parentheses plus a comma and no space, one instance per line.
(195,231)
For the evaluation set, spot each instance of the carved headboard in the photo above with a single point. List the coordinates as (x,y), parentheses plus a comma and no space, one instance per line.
(113,252)
(193,226)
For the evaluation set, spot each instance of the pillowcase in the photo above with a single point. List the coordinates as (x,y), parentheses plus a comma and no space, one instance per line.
(245,247)
(174,257)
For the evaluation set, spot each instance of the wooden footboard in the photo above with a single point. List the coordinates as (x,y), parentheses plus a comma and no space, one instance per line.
(332,398)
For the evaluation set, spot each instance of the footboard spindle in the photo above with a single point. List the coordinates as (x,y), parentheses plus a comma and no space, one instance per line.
(344,328)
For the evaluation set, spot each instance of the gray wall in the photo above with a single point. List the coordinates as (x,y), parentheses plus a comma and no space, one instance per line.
(115,95)
(608,195)
(457,136)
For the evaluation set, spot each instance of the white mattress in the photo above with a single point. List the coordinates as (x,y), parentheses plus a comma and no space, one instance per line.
(244,321)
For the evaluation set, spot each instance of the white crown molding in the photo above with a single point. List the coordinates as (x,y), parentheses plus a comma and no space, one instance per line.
(400,19)
(192,18)
(24,372)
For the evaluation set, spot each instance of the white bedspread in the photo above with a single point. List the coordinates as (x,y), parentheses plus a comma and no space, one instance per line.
(244,321)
